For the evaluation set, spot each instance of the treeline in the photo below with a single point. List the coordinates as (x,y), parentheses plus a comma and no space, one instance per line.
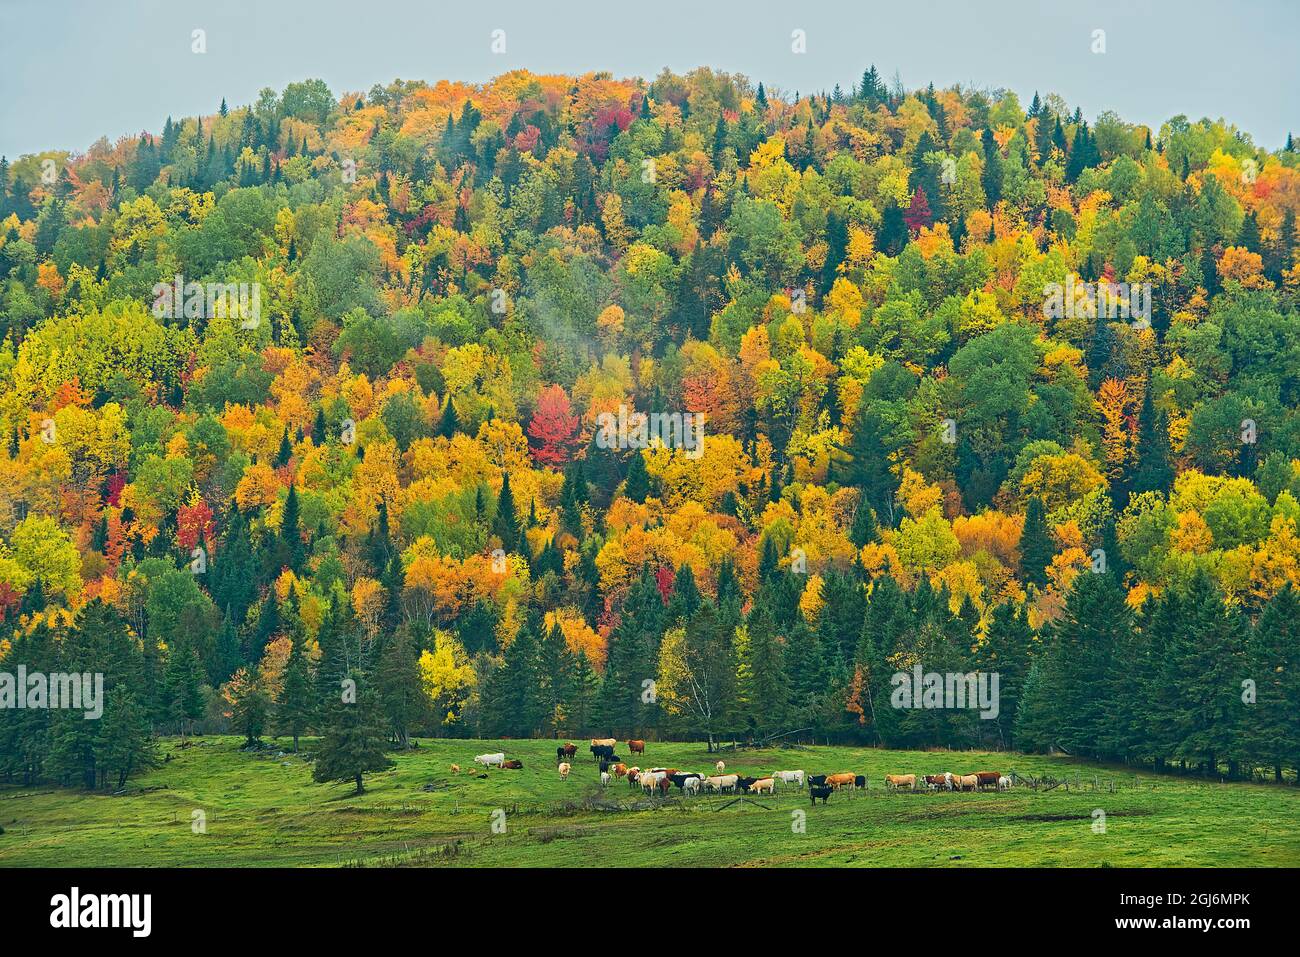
(1185,681)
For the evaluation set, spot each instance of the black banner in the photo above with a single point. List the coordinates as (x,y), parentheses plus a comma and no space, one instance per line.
(353,906)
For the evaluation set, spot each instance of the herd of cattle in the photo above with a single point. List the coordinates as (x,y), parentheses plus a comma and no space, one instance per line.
(663,780)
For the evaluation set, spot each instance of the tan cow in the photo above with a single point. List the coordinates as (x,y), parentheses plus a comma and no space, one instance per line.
(722,782)
(969,782)
(763,784)
(604,742)
(565,768)
(898,781)
(721,766)
(838,781)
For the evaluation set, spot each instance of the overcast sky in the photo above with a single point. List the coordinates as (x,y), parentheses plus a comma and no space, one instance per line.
(74,70)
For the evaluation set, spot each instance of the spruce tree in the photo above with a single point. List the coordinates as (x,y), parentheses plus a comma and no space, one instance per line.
(294,704)
(505,525)
(353,738)
(1036,546)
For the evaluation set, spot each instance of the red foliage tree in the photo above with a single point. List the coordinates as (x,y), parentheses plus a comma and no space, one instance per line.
(918,213)
(553,431)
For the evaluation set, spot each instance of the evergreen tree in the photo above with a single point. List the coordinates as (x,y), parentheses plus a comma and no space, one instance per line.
(505,525)
(1036,547)
(400,696)
(1272,724)
(294,704)
(353,738)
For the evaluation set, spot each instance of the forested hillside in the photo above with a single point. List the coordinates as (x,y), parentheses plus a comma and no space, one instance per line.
(311,394)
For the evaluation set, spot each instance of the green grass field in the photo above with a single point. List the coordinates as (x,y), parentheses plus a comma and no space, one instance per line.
(265,810)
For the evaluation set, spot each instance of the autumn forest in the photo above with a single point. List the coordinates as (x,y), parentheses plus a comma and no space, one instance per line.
(344,390)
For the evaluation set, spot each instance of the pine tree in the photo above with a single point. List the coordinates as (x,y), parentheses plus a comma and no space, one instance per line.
(864,463)
(249,705)
(1036,547)
(294,705)
(397,685)
(353,738)
(505,525)
(1153,471)
(183,686)
(637,485)
(1272,725)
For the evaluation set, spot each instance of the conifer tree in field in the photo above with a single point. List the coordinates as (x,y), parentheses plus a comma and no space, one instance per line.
(249,705)
(294,705)
(762,690)
(1095,622)
(584,695)
(183,686)
(1272,722)
(1005,650)
(397,687)
(512,702)
(632,655)
(1204,666)
(555,674)
(353,738)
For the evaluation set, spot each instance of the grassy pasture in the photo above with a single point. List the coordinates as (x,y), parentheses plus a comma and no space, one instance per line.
(264,810)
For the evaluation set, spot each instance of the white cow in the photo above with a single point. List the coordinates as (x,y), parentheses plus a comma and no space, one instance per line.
(789,777)
(721,766)
(692,786)
(1004,783)
(649,780)
(565,768)
(491,760)
(604,779)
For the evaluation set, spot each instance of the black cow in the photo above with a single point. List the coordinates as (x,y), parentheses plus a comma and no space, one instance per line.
(603,752)
(681,778)
(742,784)
(604,766)
(816,779)
(819,791)
(860,782)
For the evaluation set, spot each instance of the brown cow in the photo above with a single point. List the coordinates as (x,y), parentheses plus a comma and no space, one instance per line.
(988,779)
(570,749)
(620,770)
(838,781)
(900,781)
(513,765)
(636,747)
(665,785)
